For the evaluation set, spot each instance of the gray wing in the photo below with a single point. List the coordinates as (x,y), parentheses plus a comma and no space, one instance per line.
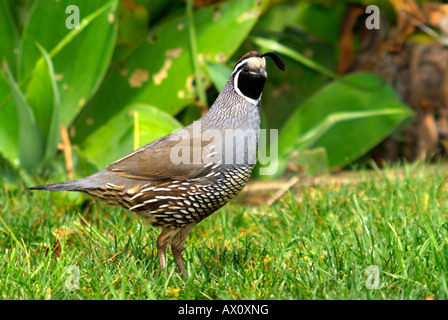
(159,160)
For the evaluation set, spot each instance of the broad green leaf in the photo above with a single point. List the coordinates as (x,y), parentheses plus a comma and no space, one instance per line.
(43,97)
(9,36)
(218,74)
(8,174)
(133,127)
(159,72)
(309,60)
(156,7)
(304,75)
(280,15)
(80,56)
(134,19)
(133,22)
(293,54)
(9,124)
(312,162)
(320,21)
(347,118)
(31,145)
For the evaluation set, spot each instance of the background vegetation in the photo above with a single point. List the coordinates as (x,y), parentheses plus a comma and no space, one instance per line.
(127,76)
(74,100)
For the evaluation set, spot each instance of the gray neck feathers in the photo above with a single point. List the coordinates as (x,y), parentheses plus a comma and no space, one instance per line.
(231,111)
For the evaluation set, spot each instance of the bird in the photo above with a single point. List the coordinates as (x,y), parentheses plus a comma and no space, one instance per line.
(180,179)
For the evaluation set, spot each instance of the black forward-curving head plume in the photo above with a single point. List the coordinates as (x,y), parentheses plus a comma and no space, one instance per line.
(279,62)
(249,74)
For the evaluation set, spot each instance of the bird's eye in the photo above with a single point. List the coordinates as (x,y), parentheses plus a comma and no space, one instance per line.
(245,69)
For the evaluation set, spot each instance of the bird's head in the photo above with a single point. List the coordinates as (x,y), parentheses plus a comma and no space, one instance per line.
(249,74)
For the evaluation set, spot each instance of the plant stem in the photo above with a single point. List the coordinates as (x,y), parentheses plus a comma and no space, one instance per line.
(194,55)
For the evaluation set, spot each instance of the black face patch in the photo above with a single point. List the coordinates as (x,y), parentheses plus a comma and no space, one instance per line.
(250,85)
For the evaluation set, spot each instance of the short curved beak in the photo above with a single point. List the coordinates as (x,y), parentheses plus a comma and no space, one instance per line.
(263,73)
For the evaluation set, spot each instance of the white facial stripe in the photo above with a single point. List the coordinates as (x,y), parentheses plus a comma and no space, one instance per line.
(254,62)
(235,82)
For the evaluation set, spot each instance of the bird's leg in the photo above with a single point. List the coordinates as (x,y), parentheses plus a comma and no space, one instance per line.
(177,244)
(163,240)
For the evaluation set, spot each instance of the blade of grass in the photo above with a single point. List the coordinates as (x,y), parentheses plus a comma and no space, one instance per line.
(432,237)
(10,233)
(400,252)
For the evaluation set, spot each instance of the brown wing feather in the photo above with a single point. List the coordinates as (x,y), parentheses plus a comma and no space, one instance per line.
(153,161)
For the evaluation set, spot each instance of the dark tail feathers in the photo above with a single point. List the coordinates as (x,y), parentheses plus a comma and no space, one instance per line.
(94,181)
(62,186)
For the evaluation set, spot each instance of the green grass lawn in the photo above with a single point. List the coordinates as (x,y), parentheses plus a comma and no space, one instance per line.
(314,243)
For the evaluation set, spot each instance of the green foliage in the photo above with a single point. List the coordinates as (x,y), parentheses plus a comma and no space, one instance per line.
(127,75)
(346,118)
(129,128)
(57,70)
(59,76)
(159,71)
(30,139)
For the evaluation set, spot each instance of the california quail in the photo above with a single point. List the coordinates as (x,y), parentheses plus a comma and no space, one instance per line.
(180,179)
